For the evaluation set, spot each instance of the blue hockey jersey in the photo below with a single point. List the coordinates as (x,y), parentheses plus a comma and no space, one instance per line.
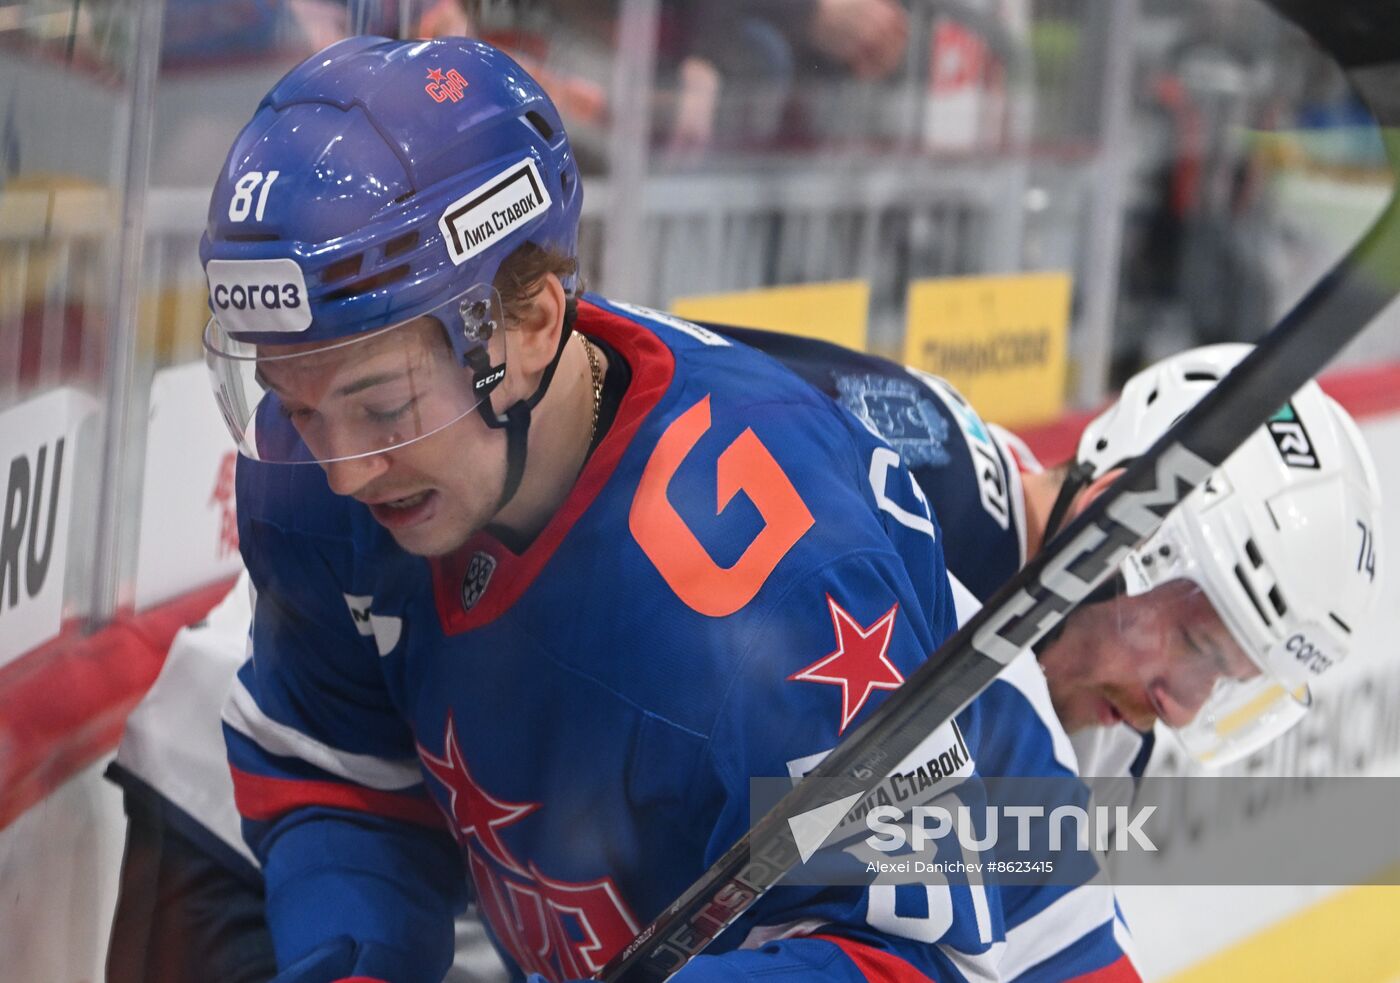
(741,573)
(971,473)
(969,469)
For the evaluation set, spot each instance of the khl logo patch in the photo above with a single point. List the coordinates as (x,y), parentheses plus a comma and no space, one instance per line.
(478,576)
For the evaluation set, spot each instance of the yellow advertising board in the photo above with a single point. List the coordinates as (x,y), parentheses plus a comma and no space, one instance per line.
(1001,340)
(836,312)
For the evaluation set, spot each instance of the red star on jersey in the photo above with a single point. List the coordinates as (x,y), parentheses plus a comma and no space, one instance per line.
(435,74)
(474,811)
(860,664)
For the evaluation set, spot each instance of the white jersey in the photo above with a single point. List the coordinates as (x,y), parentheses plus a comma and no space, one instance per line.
(173,742)
(1112,752)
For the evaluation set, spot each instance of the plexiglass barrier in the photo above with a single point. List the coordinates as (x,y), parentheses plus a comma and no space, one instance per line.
(1190,167)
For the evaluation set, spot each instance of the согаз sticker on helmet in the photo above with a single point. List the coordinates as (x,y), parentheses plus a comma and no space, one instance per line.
(482,216)
(258,295)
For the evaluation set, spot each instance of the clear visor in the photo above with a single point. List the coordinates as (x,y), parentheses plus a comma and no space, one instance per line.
(1241,717)
(319,402)
(1195,669)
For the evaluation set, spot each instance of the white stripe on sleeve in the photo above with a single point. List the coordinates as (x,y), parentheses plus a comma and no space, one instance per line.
(242,713)
(1071,917)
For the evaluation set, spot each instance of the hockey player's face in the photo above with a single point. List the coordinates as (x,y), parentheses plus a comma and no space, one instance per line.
(1141,659)
(432,493)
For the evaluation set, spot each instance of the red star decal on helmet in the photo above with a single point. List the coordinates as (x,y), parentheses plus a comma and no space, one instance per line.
(475,812)
(860,665)
(435,74)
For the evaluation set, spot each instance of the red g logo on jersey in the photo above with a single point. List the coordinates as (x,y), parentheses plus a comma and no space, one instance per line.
(562,931)
(747,466)
(444,86)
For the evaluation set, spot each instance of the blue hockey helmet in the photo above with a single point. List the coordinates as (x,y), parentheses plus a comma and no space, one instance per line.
(378,182)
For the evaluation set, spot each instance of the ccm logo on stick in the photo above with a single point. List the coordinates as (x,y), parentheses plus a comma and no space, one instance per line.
(1069,575)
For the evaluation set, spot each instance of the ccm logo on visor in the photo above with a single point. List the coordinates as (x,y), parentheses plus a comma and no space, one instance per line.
(500,206)
(258,295)
(490,380)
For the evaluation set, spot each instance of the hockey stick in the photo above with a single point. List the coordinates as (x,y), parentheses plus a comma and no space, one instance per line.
(1364,37)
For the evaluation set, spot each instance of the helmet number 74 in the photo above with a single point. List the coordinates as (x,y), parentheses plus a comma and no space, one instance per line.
(1366,558)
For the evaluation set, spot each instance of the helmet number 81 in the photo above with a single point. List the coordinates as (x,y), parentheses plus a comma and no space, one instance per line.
(242,202)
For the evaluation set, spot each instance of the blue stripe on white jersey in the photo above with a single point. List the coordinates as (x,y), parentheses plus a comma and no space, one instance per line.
(1051,932)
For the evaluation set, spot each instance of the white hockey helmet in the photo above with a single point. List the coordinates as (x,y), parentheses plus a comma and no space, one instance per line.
(1282,539)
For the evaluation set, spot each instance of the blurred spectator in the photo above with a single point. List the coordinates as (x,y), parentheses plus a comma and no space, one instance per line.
(444,18)
(1194,263)
(325,21)
(737,59)
(866,36)
(735,46)
(199,32)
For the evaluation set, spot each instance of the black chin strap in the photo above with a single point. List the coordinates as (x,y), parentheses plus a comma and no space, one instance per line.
(516,421)
(1079,476)
(517,427)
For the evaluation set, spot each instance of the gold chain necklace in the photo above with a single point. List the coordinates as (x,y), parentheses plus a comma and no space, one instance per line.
(595,371)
